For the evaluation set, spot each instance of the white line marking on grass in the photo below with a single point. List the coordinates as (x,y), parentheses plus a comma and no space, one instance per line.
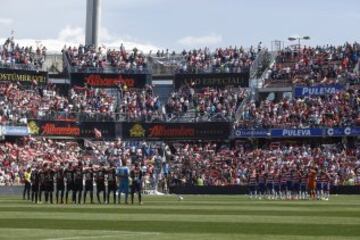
(118,234)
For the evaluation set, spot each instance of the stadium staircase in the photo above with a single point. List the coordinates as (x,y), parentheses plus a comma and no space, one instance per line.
(259,68)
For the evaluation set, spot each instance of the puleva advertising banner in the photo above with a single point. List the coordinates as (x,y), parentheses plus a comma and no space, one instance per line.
(301,91)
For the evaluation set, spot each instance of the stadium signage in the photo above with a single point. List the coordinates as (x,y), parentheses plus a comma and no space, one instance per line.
(252,133)
(174,131)
(317,90)
(293,133)
(23,76)
(96,80)
(71,129)
(348,131)
(15,131)
(306,132)
(104,80)
(212,80)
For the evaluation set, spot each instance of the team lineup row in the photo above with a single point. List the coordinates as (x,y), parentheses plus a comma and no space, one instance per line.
(292,184)
(80,180)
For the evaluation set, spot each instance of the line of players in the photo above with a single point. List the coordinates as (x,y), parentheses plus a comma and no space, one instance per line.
(80,180)
(295,184)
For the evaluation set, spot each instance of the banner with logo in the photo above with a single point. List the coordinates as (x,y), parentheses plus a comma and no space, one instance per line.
(340,132)
(177,131)
(299,132)
(23,76)
(72,129)
(301,91)
(212,80)
(251,133)
(103,80)
(15,131)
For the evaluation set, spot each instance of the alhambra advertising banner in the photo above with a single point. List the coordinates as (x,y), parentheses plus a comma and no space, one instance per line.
(72,129)
(23,76)
(103,80)
(176,131)
(212,80)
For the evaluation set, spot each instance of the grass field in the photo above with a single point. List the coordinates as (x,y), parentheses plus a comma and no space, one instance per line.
(196,217)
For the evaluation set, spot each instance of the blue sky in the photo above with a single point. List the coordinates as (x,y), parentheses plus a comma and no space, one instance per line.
(184,24)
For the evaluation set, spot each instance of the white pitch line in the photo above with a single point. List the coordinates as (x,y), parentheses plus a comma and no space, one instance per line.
(118,234)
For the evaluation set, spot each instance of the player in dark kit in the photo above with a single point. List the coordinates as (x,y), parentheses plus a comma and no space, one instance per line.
(112,187)
(78,183)
(89,186)
(35,185)
(49,184)
(100,183)
(42,183)
(60,185)
(69,174)
(136,182)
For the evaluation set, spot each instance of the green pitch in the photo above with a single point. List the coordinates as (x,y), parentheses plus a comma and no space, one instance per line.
(196,217)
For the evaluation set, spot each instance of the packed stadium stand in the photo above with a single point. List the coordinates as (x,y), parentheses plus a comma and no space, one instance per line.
(213,125)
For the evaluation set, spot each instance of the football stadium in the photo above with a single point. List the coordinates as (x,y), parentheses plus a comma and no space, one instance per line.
(235,128)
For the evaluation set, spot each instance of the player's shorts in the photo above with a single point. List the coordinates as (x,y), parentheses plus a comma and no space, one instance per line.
(289,185)
(112,186)
(78,186)
(269,186)
(318,186)
(89,186)
(261,187)
(296,187)
(283,186)
(100,186)
(49,186)
(34,187)
(124,187)
(70,186)
(43,187)
(252,188)
(60,187)
(312,186)
(325,186)
(303,187)
(136,187)
(276,187)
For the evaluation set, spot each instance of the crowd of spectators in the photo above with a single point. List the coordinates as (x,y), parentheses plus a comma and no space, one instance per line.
(335,110)
(140,104)
(217,164)
(205,104)
(18,103)
(316,65)
(206,163)
(15,56)
(100,58)
(231,59)
(91,102)
(17,156)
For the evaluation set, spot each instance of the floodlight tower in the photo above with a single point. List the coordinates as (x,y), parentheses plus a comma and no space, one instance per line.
(93,10)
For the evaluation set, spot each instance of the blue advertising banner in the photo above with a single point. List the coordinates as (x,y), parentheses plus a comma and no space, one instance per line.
(15,131)
(300,132)
(302,91)
(238,133)
(339,132)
